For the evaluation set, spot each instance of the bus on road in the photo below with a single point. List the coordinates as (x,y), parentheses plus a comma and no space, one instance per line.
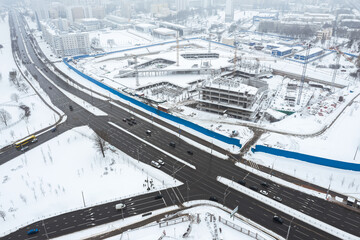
(25,141)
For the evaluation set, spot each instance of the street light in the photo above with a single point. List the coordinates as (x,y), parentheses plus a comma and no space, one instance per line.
(287,235)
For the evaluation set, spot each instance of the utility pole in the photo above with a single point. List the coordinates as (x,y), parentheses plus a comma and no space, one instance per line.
(288,232)
(187,188)
(82,193)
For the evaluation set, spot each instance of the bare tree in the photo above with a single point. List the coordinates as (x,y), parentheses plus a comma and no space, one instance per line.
(100,144)
(4,116)
(14,97)
(2,214)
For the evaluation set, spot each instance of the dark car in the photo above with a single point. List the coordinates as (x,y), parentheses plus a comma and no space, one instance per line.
(254,188)
(50,87)
(190,152)
(53,129)
(242,182)
(264,184)
(276,198)
(32,231)
(71,108)
(214,199)
(130,123)
(158,197)
(172,144)
(278,219)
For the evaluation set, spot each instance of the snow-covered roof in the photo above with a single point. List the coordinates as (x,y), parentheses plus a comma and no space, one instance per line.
(312,51)
(165,31)
(145,25)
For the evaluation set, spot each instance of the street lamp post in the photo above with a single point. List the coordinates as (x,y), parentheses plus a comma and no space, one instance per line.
(288,232)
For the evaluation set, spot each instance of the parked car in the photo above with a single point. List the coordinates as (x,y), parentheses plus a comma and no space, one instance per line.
(276,198)
(242,182)
(190,152)
(264,184)
(148,132)
(124,119)
(71,108)
(161,162)
(155,164)
(213,198)
(172,144)
(32,231)
(254,188)
(278,219)
(263,192)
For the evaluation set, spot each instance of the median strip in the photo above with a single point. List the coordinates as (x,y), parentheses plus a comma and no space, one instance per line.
(157,148)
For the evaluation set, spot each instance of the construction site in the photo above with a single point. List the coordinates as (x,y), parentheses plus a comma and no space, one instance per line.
(216,78)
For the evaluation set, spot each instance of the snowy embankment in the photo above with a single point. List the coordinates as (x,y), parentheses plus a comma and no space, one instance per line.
(285,209)
(13,94)
(40,183)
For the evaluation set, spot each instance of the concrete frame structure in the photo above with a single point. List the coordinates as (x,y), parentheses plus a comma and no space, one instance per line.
(237,98)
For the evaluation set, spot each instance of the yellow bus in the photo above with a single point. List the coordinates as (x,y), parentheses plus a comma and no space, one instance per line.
(25,141)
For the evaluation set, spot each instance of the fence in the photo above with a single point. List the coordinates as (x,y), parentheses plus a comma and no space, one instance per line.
(170,117)
(240,229)
(307,158)
(174,221)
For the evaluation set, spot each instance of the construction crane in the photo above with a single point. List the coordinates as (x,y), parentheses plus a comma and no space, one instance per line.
(303,75)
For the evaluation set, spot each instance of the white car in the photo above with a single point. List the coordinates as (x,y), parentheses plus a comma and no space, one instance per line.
(161,162)
(120,206)
(263,192)
(155,164)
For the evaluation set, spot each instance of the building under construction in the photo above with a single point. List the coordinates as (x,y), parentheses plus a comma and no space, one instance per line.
(236,97)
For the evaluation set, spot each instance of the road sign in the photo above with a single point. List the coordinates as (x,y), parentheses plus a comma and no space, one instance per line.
(234,211)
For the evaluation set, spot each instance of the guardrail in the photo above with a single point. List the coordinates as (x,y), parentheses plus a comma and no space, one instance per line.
(240,229)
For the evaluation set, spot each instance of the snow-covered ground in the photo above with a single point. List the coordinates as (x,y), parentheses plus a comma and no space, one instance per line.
(40,183)
(343,135)
(11,98)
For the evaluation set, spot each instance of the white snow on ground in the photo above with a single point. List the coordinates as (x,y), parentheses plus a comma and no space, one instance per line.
(41,116)
(40,183)
(285,209)
(343,135)
(202,228)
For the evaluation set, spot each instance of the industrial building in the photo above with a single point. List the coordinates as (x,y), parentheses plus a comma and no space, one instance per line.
(281,51)
(164,33)
(238,98)
(313,52)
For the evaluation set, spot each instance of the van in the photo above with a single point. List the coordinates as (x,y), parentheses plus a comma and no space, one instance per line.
(172,144)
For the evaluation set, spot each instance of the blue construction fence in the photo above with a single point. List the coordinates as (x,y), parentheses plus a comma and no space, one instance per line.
(207,132)
(307,158)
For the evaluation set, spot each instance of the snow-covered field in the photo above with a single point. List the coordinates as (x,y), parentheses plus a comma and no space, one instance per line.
(11,97)
(51,178)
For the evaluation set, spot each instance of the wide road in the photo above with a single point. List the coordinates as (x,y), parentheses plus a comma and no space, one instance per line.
(198,184)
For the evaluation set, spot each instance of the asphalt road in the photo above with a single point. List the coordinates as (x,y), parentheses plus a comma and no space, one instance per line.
(198,184)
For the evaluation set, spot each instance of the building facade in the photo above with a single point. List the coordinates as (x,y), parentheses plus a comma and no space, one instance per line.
(64,43)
